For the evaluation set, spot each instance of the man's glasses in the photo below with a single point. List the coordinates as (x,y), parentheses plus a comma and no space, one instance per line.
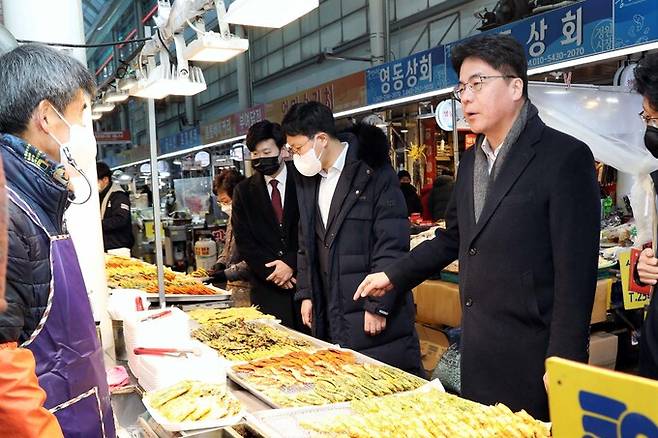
(649,121)
(475,84)
(292,149)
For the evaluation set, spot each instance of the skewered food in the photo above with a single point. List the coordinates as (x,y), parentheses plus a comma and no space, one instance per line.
(214,316)
(428,414)
(238,340)
(326,376)
(194,401)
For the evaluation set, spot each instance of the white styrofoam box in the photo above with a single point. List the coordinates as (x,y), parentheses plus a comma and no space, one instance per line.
(164,332)
(121,303)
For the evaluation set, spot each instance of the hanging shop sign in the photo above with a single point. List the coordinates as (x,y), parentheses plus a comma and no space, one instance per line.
(181,140)
(112,137)
(218,130)
(415,74)
(244,119)
(595,402)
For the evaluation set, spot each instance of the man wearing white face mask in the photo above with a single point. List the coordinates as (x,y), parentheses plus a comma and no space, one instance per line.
(48,330)
(352,220)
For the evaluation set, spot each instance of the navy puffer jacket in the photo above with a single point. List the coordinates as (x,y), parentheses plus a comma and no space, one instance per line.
(38,181)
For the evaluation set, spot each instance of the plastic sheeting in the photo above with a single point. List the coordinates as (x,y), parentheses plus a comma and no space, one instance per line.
(606,119)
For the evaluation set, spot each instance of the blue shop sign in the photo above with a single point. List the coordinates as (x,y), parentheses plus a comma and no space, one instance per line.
(181,140)
(636,22)
(415,74)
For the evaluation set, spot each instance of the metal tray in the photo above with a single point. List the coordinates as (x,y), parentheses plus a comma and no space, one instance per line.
(175,298)
(235,377)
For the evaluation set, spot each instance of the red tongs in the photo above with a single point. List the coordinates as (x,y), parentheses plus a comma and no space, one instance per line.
(156,315)
(166,352)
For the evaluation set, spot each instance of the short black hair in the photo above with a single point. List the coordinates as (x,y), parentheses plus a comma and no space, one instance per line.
(264,130)
(403,173)
(308,119)
(646,79)
(103,171)
(226,181)
(502,52)
(32,73)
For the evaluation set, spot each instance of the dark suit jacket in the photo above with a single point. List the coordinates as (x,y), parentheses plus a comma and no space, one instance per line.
(649,338)
(261,240)
(367,229)
(528,267)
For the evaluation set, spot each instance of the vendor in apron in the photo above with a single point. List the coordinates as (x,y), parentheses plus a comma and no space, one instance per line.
(47,331)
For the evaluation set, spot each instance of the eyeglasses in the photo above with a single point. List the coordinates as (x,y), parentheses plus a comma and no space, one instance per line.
(295,149)
(649,121)
(475,84)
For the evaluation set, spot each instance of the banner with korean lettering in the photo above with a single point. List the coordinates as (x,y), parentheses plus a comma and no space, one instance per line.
(181,140)
(636,22)
(415,74)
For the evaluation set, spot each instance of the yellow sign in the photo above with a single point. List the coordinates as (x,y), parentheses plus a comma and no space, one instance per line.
(593,402)
(632,300)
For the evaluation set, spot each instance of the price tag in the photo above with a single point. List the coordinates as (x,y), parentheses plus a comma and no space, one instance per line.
(632,300)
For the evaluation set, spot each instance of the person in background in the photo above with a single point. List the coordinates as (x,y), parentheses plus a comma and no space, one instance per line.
(230,268)
(409,191)
(115,212)
(45,97)
(646,83)
(440,195)
(353,221)
(524,222)
(265,217)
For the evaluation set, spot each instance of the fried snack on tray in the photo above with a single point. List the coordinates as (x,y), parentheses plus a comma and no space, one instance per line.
(194,401)
(238,340)
(427,414)
(326,376)
(129,273)
(214,316)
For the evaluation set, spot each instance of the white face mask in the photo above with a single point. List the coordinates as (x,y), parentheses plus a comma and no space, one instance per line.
(80,151)
(226,208)
(309,163)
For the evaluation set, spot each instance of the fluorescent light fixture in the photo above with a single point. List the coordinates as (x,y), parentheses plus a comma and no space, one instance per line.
(127,83)
(102,107)
(404,131)
(116,96)
(268,13)
(164,80)
(96,116)
(394,102)
(213,47)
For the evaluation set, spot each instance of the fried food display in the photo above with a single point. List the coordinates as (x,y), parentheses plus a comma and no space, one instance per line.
(238,340)
(194,401)
(326,376)
(428,414)
(215,316)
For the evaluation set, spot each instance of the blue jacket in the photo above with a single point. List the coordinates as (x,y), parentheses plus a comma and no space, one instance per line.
(40,182)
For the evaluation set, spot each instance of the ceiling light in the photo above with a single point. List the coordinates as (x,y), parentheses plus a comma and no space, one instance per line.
(165,79)
(268,13)
(116,96)
(404,131)
(127,83)
(102,107)
(96,116)
(213,47)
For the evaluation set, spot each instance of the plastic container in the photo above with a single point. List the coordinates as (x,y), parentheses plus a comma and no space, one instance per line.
(205,253)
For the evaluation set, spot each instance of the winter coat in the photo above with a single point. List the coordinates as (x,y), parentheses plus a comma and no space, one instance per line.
(440,195)
(411,199)
(28,262)
(367,229)
(649,335)
(527,267)
(115,214)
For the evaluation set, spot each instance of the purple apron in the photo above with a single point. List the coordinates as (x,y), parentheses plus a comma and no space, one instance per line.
(68,354)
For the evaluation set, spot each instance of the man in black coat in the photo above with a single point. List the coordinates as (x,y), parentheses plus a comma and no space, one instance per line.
(524,222)
(264,220)
(353,221)
(646,82)
(440,196)
(115,211)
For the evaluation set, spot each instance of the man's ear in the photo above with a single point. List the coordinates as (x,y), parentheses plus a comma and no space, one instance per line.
(43,116)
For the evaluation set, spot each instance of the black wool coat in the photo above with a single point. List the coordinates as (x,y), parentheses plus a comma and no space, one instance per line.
(367,229)
(260,240)
(527,272)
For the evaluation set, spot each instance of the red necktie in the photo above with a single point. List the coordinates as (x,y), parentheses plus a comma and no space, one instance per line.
(276,201)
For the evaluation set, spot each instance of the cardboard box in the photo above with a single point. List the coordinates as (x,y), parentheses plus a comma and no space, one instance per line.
(603,350)
(433,343)
(601,300)
(437,303)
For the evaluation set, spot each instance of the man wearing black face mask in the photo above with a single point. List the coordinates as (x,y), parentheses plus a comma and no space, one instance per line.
(409,191)
(646,83)
(264,219)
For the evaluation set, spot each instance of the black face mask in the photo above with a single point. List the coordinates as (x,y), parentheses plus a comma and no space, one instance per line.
(266,165)
(651,140)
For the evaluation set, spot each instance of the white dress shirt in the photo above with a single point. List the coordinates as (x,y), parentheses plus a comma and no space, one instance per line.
(491,154)
(329,182)
(281,177)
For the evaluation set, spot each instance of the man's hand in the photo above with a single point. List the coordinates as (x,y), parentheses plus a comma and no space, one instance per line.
(307,313)
(647,267)
(374,285)
(373,324)
(281,275)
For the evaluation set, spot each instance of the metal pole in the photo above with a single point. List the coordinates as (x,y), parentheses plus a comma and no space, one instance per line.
(455,133)
(155,189)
